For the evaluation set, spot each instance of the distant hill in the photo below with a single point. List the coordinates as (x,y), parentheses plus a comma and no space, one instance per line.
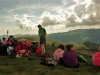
(18,35)
(77,36)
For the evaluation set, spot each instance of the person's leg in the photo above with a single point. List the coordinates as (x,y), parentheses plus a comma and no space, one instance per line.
(27,53)
(40,40)
(21,52)
(43,39)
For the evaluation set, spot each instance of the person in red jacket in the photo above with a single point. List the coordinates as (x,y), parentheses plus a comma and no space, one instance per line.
(96,58)
(21,48)
(41,49)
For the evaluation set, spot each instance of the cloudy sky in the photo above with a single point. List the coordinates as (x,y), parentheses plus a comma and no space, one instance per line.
(23,16)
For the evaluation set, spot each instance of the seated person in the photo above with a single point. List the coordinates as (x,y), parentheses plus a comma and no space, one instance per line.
(4,42)
(11,39)
(0,43)
(21,48)
(58,53)
(96,58)
(10,48)
(3,49)
(70,57)
(41,49)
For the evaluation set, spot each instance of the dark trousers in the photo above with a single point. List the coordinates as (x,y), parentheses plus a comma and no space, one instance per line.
(43,40)
(62,62)
(3,51)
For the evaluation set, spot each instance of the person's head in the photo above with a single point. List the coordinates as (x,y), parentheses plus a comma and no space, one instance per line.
(23,41)
(98,48)
(69,47)
(42,44)
(19,40)
(11,36)
(4,39)
(61,47)
(39,26)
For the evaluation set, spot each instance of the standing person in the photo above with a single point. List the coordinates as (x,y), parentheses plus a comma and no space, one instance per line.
(42,34)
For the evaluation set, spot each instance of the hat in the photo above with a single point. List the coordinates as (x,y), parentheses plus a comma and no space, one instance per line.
(23,39)
(19,40)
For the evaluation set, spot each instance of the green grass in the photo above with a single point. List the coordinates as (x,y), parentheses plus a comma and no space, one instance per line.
(10,65)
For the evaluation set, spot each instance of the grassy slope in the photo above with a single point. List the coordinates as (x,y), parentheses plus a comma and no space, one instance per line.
(10,65)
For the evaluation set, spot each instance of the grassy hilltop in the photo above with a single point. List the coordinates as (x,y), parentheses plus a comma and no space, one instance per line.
(10,65)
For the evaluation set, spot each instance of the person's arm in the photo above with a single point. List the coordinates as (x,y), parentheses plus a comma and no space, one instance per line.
(39,34)
(45,32)
(54,56)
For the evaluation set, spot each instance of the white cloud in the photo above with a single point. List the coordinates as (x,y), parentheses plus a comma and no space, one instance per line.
(23,22)
(64,2)
(50,14)
(48,19)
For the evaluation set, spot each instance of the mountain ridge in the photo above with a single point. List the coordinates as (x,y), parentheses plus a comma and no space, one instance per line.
(77,36)
(74,36)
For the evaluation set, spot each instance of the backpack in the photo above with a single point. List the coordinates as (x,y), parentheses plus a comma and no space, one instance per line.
(82,59)
(48,60)
(33,46)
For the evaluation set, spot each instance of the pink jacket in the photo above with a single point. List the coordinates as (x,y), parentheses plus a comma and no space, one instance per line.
(58,54)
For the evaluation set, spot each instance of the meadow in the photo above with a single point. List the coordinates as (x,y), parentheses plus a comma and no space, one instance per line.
(10,65)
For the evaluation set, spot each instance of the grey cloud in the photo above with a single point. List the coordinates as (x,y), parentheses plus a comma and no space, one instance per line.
(69,18)
(47,21)
(79,10)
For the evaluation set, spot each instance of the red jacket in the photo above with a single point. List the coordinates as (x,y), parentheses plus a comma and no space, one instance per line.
(96,61)
(39,50)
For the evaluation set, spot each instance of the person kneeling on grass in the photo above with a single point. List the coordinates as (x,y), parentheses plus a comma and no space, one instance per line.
(96,58)
(21,48)
(41,49)
(70,57)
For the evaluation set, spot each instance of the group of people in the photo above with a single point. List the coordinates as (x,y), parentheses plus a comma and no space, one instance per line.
(68,58)
(11,45)
(21,46)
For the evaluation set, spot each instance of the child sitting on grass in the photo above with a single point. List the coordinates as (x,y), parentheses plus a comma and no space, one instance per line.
(41,49)
(96,58)
(21,48)
(10,48)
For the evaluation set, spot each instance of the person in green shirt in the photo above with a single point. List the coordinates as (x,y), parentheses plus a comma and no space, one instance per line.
(42,34)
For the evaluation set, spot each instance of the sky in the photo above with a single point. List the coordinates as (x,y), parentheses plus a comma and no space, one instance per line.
(23,16)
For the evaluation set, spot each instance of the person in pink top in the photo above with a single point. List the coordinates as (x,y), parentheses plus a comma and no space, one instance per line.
(58,53)
(96,58)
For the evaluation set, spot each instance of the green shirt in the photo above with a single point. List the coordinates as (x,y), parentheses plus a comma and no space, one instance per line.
(42,31)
